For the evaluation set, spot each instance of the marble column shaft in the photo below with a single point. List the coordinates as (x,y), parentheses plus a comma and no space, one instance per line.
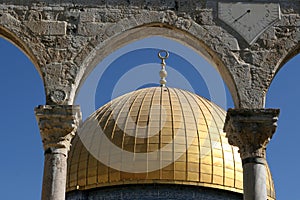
(251,131)
(58,124)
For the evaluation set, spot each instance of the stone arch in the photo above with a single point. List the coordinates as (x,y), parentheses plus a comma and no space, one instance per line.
(283,93)
(156,29)
(21,90)
(18,42)
(285,58)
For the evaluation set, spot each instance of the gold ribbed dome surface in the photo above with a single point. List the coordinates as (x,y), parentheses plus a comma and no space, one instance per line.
(156,135)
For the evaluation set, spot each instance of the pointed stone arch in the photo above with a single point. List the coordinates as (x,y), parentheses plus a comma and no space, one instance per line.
(21,44)
(294,51)
(195,42)
(283,58)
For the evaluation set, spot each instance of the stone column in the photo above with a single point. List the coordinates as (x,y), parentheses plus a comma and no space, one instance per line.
(251,130)
(58,124)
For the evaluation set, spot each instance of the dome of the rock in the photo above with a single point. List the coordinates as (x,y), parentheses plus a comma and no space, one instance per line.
(156,139)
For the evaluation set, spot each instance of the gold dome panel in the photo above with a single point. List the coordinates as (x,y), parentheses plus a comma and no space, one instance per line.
(166,135)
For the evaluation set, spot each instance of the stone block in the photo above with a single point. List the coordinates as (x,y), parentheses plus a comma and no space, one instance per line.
(204,17)
(114,29)
(128,23)
(289,20)
(143,18)
(90,28)
(87,17)
(47,27)
(197,30)
(232,43)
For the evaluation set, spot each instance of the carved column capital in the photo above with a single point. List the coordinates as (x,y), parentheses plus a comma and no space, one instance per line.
(251,130)
(58,124)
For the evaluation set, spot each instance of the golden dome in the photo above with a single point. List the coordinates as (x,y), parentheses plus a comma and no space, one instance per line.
(156,135)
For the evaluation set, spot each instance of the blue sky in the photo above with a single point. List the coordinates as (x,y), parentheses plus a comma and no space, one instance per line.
(21,90)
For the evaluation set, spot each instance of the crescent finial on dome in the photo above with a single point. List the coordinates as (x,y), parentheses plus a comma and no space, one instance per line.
(163,73)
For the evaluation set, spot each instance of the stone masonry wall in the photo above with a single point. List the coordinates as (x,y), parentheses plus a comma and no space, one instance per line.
(66,39)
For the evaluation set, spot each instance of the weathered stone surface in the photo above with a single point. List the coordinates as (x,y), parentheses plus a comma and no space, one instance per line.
(58,125)
(254,181)
(66,39)
(55,173)
(67,32)
(251,130)
(232,43)
(90,28)
(47,27)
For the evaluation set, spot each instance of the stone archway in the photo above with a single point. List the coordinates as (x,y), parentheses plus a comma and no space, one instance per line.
(17,41)
(293,52)
(112,44)
(21,89)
